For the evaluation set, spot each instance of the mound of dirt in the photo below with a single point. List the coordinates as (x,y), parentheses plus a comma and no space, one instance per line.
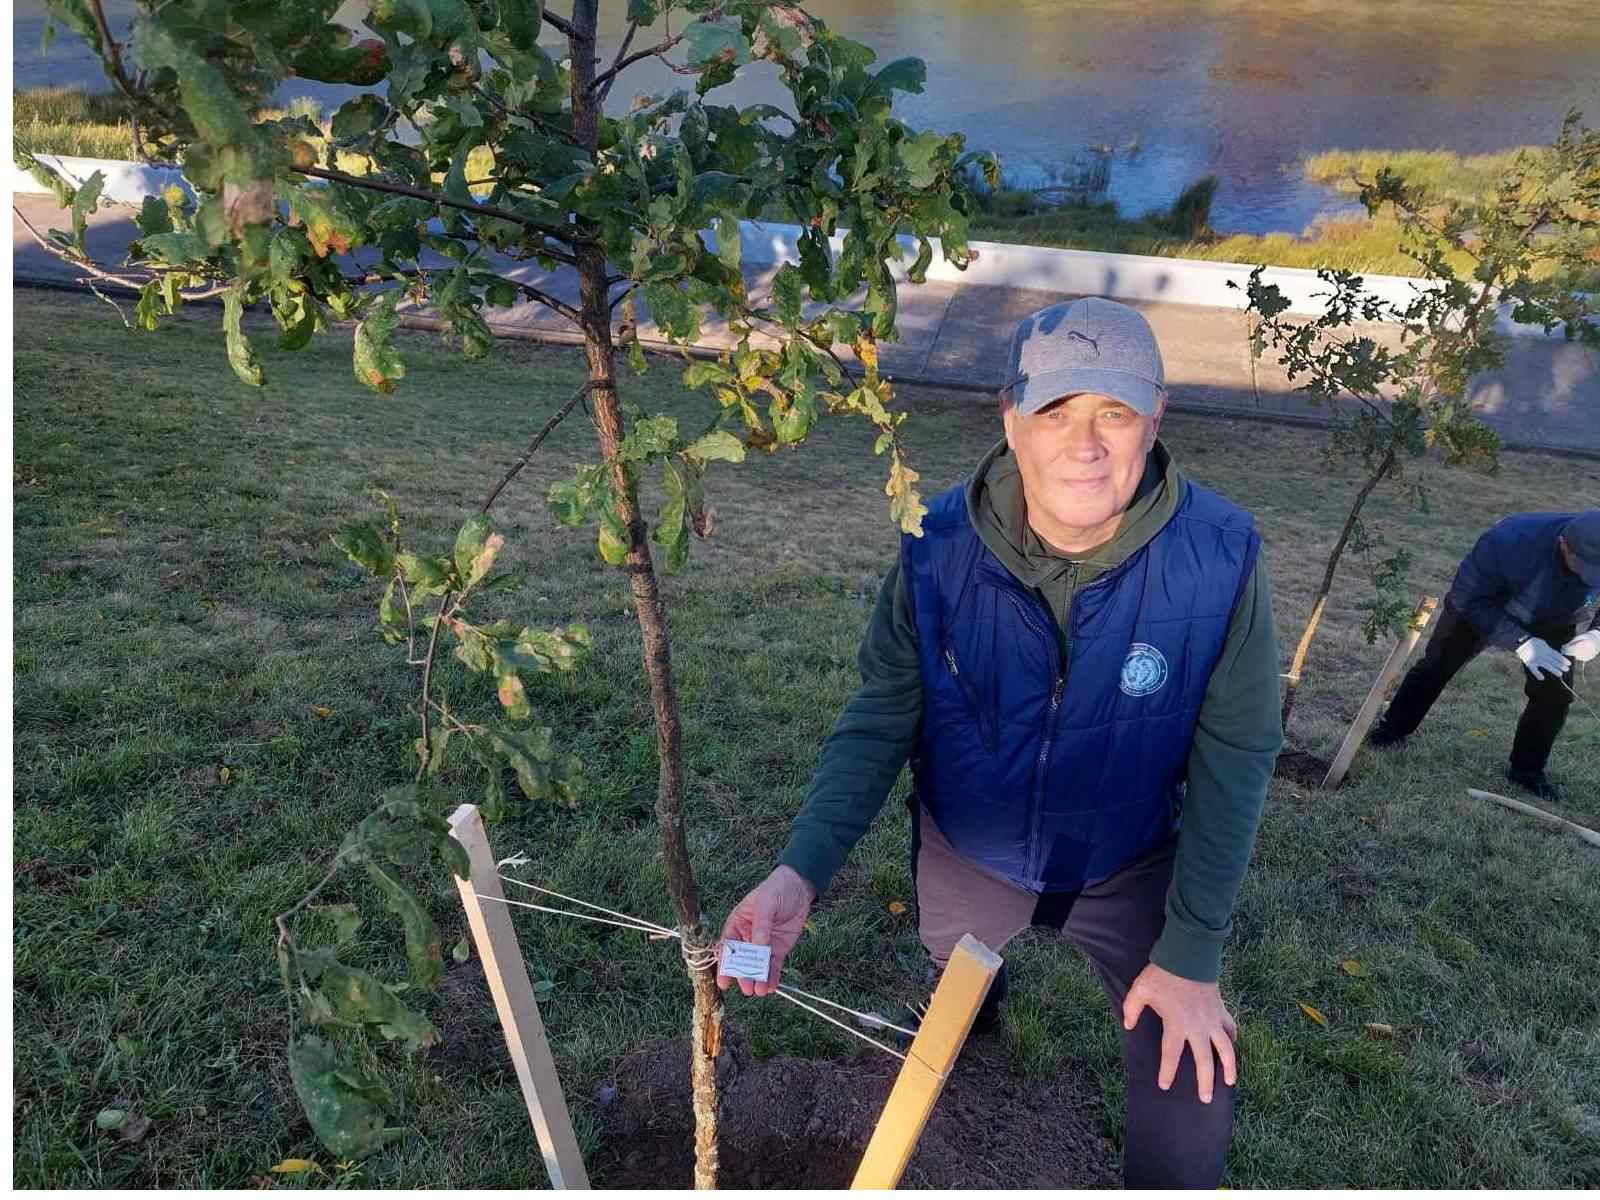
(797,1123)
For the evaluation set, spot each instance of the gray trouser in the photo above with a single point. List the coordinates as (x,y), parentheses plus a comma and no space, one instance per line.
(1172,1140)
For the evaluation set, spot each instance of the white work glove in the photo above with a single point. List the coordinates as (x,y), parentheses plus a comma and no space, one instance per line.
(1583,647)
(1537,656)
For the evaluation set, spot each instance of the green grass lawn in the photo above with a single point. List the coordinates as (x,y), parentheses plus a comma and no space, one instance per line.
(182,623)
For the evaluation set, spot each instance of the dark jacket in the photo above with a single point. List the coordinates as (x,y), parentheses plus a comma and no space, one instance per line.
(1236,740)
(1056,768)
(1514,583)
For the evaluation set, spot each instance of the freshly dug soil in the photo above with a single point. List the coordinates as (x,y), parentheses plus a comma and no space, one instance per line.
(1299,767)
(796,1123)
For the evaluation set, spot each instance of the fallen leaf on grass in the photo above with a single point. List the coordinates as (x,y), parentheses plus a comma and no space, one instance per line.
(461,951)
(896,908)
(108,1119)
(1378,1029)
(295,1166)
(322,710)
(1313,1014)
(1477,733)
(1352,967)
(134,1128)
(224,774)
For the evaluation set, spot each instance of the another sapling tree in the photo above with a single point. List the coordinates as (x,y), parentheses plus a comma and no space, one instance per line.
(482,150)
(1532,249)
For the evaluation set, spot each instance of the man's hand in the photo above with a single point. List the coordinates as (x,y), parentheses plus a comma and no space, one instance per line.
(1583,647)
(774,914)
(1537,656)
(1192,1014)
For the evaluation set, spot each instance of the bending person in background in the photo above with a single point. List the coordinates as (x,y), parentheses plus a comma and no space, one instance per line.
(1528,586)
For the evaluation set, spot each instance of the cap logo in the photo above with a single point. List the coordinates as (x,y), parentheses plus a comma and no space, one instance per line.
(1094,343)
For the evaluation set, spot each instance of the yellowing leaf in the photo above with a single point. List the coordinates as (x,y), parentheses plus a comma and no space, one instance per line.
(224,774)
(1352,967)
(322,710)
(896,907)
(294,1166)
(1313,1014)
(1478,733)
(1378,1029)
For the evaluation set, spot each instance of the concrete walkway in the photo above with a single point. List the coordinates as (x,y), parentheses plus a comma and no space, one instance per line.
(956,335)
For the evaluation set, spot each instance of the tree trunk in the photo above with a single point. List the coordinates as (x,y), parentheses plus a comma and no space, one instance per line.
(706,1030)
(1379,474)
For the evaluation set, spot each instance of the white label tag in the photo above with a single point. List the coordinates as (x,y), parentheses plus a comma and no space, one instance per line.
(746,960)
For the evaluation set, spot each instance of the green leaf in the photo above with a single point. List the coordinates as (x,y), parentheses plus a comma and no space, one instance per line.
(730,247)
(108,1119)
(346,1110)
(461,951)
(359,117)
(672,526)
(154,217)
(366,547)
(84,201)
(47,177)
(422,936)
(902,75)
(148,310)
(720,43)
(572,501)
(719,444)
(403,830)
(346,920)
(786,295)
(375,361)
(612,539)
(359,998)
(697,374)
(426,576)
(918,272)
(648,438)
(919,157)
(476,547)
(241,356)
(530,754)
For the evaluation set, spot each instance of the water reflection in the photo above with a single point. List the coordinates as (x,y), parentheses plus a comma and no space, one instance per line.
(1237,88)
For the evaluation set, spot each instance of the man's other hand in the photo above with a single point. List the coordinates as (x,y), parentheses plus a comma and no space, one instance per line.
(1192,1014)
(1583,647)
(774,914)
(1537,656)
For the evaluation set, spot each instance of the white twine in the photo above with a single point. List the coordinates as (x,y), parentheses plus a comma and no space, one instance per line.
(698,958)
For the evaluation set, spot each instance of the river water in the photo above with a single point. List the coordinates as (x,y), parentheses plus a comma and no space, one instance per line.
(1164,90)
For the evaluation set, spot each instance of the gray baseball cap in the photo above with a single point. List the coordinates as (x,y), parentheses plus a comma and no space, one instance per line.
(1086,345)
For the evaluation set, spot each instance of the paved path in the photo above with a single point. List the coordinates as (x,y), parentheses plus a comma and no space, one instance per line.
(956,335)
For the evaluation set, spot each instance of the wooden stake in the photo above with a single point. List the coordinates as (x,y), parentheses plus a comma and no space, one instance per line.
(1587,835)
(939,1039)
(507,974)
(1369,708)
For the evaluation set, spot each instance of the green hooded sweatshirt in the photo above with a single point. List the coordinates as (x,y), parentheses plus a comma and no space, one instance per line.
(1236,741)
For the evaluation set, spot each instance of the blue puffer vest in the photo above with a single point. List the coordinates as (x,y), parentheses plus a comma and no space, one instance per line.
(1054,782)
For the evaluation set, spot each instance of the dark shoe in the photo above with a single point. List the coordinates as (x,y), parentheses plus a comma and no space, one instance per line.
(1536,782)
(1382,738)
(988,1018)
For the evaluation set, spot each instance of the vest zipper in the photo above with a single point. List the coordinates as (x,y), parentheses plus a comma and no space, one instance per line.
(1041,767)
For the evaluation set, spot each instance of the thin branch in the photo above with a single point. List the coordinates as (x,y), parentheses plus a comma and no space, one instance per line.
(604,79)
(427,674)
(402,189)
(507,110)
(91,267)
(623,295)
(538,440)
(611,73)
(111,48)
(561,23)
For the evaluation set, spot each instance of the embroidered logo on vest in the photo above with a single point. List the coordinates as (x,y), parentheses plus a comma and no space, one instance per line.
(1144,670)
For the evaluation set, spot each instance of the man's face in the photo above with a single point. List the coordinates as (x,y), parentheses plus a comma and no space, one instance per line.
(1081,459)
